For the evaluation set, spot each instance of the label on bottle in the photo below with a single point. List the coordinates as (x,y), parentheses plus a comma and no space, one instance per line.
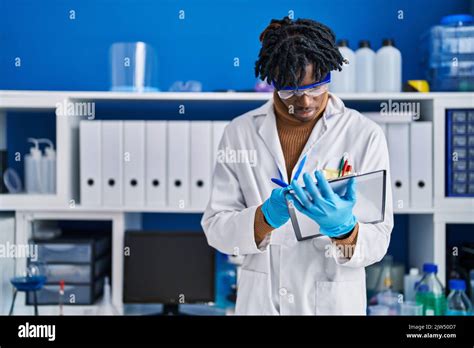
(432,304)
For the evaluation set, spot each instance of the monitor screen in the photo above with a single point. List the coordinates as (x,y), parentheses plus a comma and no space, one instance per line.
(168,267)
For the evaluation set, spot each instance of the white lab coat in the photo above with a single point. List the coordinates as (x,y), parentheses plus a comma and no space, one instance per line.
(282,275)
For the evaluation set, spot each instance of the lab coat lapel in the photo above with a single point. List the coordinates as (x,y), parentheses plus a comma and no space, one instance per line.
(269,134)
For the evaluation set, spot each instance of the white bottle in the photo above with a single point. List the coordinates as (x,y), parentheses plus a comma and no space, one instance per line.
(365,59)
(48,167)
(33,181)
(106,307)
(388,68)
(344,81)
(409,282)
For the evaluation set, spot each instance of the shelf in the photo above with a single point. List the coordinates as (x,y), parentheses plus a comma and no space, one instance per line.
(49,99)
(414,211)
(79,208)
(54,309)
(10,202)
(462,217)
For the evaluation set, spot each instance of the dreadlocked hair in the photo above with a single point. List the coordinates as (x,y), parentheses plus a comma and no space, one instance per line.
(289,46)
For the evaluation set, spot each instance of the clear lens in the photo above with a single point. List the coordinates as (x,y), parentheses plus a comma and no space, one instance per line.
(286,94)
(311,92)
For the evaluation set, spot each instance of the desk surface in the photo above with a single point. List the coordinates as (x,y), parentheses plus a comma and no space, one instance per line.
(191,309)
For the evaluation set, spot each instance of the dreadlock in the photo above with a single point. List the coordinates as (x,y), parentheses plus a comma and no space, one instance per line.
(289,46)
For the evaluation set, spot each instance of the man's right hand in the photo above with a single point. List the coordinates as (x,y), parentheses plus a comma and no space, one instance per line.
(275,209)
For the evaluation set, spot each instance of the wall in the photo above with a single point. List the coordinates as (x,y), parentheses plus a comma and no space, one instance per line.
(62,54)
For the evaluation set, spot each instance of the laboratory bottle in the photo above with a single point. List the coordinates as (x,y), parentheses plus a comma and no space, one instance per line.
(106,307)
(389,298)
(365,60)
(409,283)
(344,81)
(33,160)
(430,292)
(48,167)
(458,303)
(388,68)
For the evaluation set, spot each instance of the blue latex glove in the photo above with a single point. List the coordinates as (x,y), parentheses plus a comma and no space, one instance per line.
(330,211)
(275,209)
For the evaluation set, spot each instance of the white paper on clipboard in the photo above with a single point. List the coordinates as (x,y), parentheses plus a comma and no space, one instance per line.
(369,206)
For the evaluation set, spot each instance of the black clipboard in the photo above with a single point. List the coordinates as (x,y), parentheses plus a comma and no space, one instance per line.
(369,207)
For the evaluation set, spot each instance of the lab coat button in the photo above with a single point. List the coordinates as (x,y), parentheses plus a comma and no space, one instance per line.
(283,291)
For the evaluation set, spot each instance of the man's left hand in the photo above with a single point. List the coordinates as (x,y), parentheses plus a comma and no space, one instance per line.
(330,211)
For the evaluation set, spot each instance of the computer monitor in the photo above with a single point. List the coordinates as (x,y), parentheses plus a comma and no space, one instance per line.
(169,268)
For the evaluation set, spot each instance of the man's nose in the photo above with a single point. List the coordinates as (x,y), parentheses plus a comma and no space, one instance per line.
(304,101)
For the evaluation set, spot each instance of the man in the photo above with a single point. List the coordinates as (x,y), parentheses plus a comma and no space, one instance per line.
(303,128)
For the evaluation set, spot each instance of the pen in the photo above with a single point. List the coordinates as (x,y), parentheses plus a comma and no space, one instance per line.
(279,182)
(297,174)
(341,166)
(344,167)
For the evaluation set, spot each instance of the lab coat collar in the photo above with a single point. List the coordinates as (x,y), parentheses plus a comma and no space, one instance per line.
(334,107)
(269,133)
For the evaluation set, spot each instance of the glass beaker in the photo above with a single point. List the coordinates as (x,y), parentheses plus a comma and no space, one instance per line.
(133,67)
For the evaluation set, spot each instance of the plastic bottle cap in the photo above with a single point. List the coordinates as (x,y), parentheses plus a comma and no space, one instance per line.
(364,43)
(430,268)
(457,284)
(34,150)
(343,43)
(458,19)
(414,271)
(388,42)
(49,149)
(49,152)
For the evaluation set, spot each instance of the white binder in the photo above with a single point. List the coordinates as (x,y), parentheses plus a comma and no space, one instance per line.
(90,162)
(112,160)
(134,163)
(421,165)
(155,167)
(200,163)
(178,164)
(217,132)
(398,138)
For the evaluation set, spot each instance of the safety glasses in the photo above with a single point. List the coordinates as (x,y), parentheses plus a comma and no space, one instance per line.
(313,90)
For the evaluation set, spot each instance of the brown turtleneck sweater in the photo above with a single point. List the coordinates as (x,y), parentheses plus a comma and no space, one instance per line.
(293,136)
